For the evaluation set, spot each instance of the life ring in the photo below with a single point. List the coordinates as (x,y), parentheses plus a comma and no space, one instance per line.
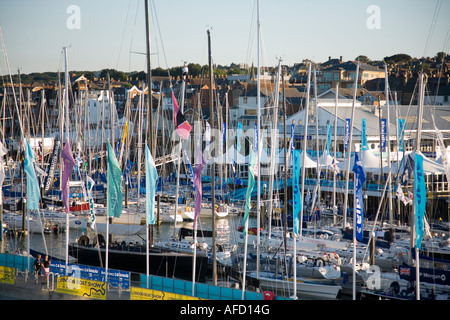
(83,241)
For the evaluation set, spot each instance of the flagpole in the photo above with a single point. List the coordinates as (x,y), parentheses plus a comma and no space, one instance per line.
(355,87)
(66,109)
(107,216)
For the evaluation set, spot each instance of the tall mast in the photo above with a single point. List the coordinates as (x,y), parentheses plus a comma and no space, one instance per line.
(388,142)
(349,148)
(213,167)
(149,82)
(258,100)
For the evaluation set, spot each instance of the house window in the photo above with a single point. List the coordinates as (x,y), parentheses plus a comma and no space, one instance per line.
(336,76)
(245,100)
(327,76)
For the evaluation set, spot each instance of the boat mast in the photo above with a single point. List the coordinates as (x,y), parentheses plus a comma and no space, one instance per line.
(66,111)
(258,99)
(349,148)
(149,101)
(334,156)
(388,142)
(213,167)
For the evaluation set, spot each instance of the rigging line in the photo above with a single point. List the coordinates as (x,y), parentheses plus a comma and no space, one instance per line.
(433,25)
(160,36)
(123,34)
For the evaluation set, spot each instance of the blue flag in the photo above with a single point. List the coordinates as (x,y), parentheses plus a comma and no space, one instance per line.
(360,178)
(33,195)
(400,134)
(347,133)
(383,135)
(419,198)
(297,197)
(115,195)
(151,176)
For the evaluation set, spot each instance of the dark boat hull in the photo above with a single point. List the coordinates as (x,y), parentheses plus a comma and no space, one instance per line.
(165,264)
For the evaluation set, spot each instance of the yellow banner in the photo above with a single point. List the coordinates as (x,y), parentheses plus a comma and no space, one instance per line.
(7,275)
(82,287)
(149,294)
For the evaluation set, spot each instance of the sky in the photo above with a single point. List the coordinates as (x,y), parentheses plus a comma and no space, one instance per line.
(111,33)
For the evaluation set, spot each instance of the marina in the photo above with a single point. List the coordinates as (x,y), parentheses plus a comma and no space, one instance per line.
(264,186)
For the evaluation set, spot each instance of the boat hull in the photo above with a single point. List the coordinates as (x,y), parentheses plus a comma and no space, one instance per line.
(134,259)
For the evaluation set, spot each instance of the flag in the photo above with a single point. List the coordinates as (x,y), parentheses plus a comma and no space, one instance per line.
(199,164)
(181,125)
(328,138)
(419,198)
(251,184)
(297,197)
(188,162)
(347,133)
(360,178)
(151,176)
(400,134)
(239,129)
(383,135)
(335,167)
(364,144)
(69,164)
(90,185)
(115,195)
(33,195)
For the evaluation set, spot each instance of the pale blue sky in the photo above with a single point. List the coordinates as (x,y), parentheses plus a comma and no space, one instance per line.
(36,31)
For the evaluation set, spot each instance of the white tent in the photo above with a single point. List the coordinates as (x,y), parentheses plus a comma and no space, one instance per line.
(370,162)
(429,166)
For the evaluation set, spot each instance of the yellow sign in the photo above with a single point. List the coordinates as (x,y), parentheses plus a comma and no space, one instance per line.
(7,275)
(149,294)
(82,287)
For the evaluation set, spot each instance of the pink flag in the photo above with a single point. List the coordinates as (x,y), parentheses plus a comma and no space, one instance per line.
(182,126)
(69,164)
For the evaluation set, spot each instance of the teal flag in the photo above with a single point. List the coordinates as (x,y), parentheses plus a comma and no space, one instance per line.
(328,138)
(419,199)
(297,197)
(33,195)
(151,175)
(115,195)
(364,144)
(252,172)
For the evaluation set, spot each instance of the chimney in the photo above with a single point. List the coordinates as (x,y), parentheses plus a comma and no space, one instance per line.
(340,59)
(329,58)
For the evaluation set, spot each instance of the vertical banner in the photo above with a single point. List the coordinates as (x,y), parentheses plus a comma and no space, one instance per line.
(360,178)
(239,129)
(151,176)
(328,138)
(297,197)
(364,144)
(383,135)
(33,193)
(115,195)
(419,198)
(347,133)
(90,185)
(400,134)
(251,184)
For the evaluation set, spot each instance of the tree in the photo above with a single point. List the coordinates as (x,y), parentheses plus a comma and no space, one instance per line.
(363,59)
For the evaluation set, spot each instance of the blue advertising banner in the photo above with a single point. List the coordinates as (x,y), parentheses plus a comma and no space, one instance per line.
(383,135)
(400,134)
(360,178)
(364,144)
(347,133)
(419,198)
(115,277)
